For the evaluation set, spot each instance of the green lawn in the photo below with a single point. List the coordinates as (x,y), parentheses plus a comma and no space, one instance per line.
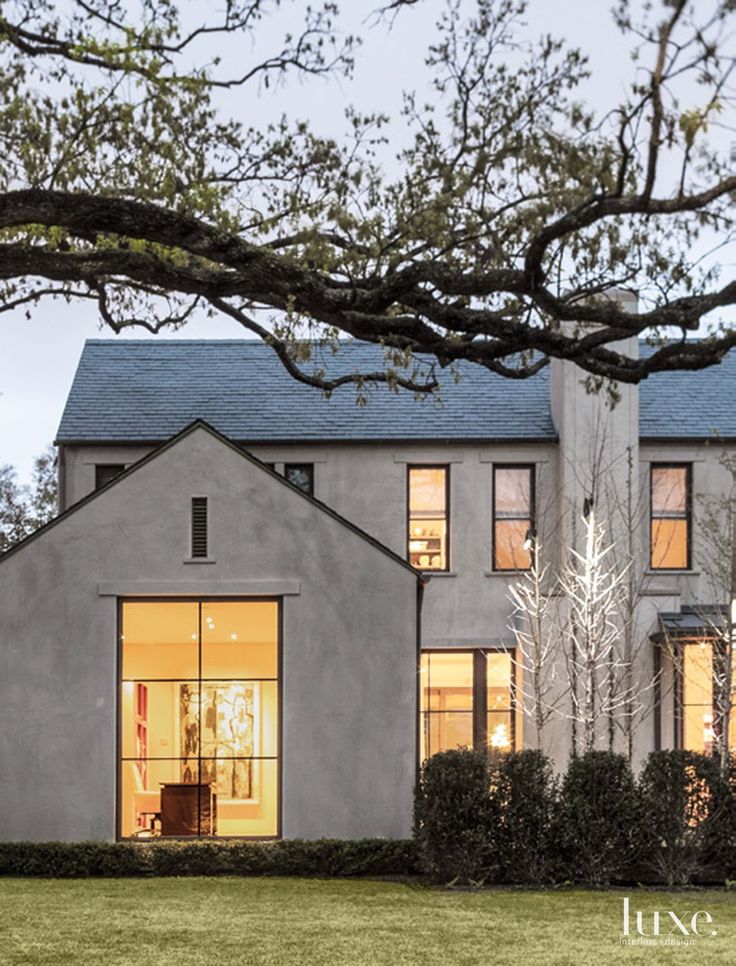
(156,922)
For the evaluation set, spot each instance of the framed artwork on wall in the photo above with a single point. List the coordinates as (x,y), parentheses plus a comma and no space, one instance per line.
(227,716)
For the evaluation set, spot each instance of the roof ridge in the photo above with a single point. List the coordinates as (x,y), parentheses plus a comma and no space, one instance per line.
(160,340)
(254,340)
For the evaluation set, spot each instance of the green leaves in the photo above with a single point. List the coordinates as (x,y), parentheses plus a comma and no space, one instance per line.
(481,225)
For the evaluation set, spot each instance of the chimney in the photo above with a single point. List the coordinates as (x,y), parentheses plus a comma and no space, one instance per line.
(598,441)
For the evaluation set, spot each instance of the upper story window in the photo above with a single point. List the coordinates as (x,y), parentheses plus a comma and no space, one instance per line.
(301,475)
(671,523)
(513,516)
(105,472)
(429,518)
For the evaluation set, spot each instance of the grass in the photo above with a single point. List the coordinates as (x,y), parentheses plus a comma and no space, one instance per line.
(218,922)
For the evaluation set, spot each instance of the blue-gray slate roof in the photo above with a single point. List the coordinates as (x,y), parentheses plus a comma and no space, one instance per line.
(148,390)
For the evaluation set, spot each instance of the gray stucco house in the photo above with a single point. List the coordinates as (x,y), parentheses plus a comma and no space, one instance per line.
(260,609)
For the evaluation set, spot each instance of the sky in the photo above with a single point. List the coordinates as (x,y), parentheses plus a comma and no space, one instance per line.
(38,356)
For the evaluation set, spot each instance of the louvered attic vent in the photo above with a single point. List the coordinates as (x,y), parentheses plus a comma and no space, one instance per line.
(199,526)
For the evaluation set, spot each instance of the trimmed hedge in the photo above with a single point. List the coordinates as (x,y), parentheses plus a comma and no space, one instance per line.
(507,819)
(454,817)
(599,822)
(478,818)
(524,793)
(686,804)
(324,857)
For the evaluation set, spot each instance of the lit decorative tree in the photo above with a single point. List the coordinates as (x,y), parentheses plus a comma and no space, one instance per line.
(540,690)
(592,587)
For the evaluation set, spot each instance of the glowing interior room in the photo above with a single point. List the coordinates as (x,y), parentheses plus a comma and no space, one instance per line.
(199,718)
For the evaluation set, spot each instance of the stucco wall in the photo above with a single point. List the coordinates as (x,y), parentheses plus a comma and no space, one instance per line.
(349,647)
(367,484)
(470,607)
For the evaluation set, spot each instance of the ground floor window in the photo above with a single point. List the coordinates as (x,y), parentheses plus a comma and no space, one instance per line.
(199,718)
(697,717)
(467,699)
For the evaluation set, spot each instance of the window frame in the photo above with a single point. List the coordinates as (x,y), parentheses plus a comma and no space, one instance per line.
(479,711)
(532,470)
(309,467)
(429,466)
(118,764)
(688,517)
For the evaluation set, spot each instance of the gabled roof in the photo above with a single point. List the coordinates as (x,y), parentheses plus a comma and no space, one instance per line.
(199,424)
(149,390)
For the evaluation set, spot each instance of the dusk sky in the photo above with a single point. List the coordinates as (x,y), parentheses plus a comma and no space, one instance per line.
(38,356)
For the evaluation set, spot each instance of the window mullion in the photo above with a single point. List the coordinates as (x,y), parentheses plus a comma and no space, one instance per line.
(480,702)
(512,702)
(199,721)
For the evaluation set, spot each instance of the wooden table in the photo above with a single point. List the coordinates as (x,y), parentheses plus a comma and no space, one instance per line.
(188,809)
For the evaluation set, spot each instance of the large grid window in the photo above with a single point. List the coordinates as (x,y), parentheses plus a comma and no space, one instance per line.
(670,522)
(697,713)
(467,700)
(513,517)
(199,718)
(429,518)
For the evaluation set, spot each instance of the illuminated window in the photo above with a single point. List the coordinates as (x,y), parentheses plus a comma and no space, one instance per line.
(466,701)
(513,516)
(199,718)
(697,711)
(301,475)
(670,505)
(428,517)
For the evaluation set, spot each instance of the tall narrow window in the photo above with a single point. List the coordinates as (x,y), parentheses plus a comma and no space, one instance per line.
(447,701)
(199,526)
(466,701)
(670,507)
(513,517)
(199,718)
(301,475)
(428,537)
(699,717)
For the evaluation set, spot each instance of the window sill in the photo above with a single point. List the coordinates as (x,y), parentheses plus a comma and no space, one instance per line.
(671,573)
(504,573)
(437,573)
(199,560)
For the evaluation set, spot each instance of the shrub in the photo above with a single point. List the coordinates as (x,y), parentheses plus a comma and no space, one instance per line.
(720,845)
(453,816)
(326,857)
(525,794)
(687,808)
(597,819)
